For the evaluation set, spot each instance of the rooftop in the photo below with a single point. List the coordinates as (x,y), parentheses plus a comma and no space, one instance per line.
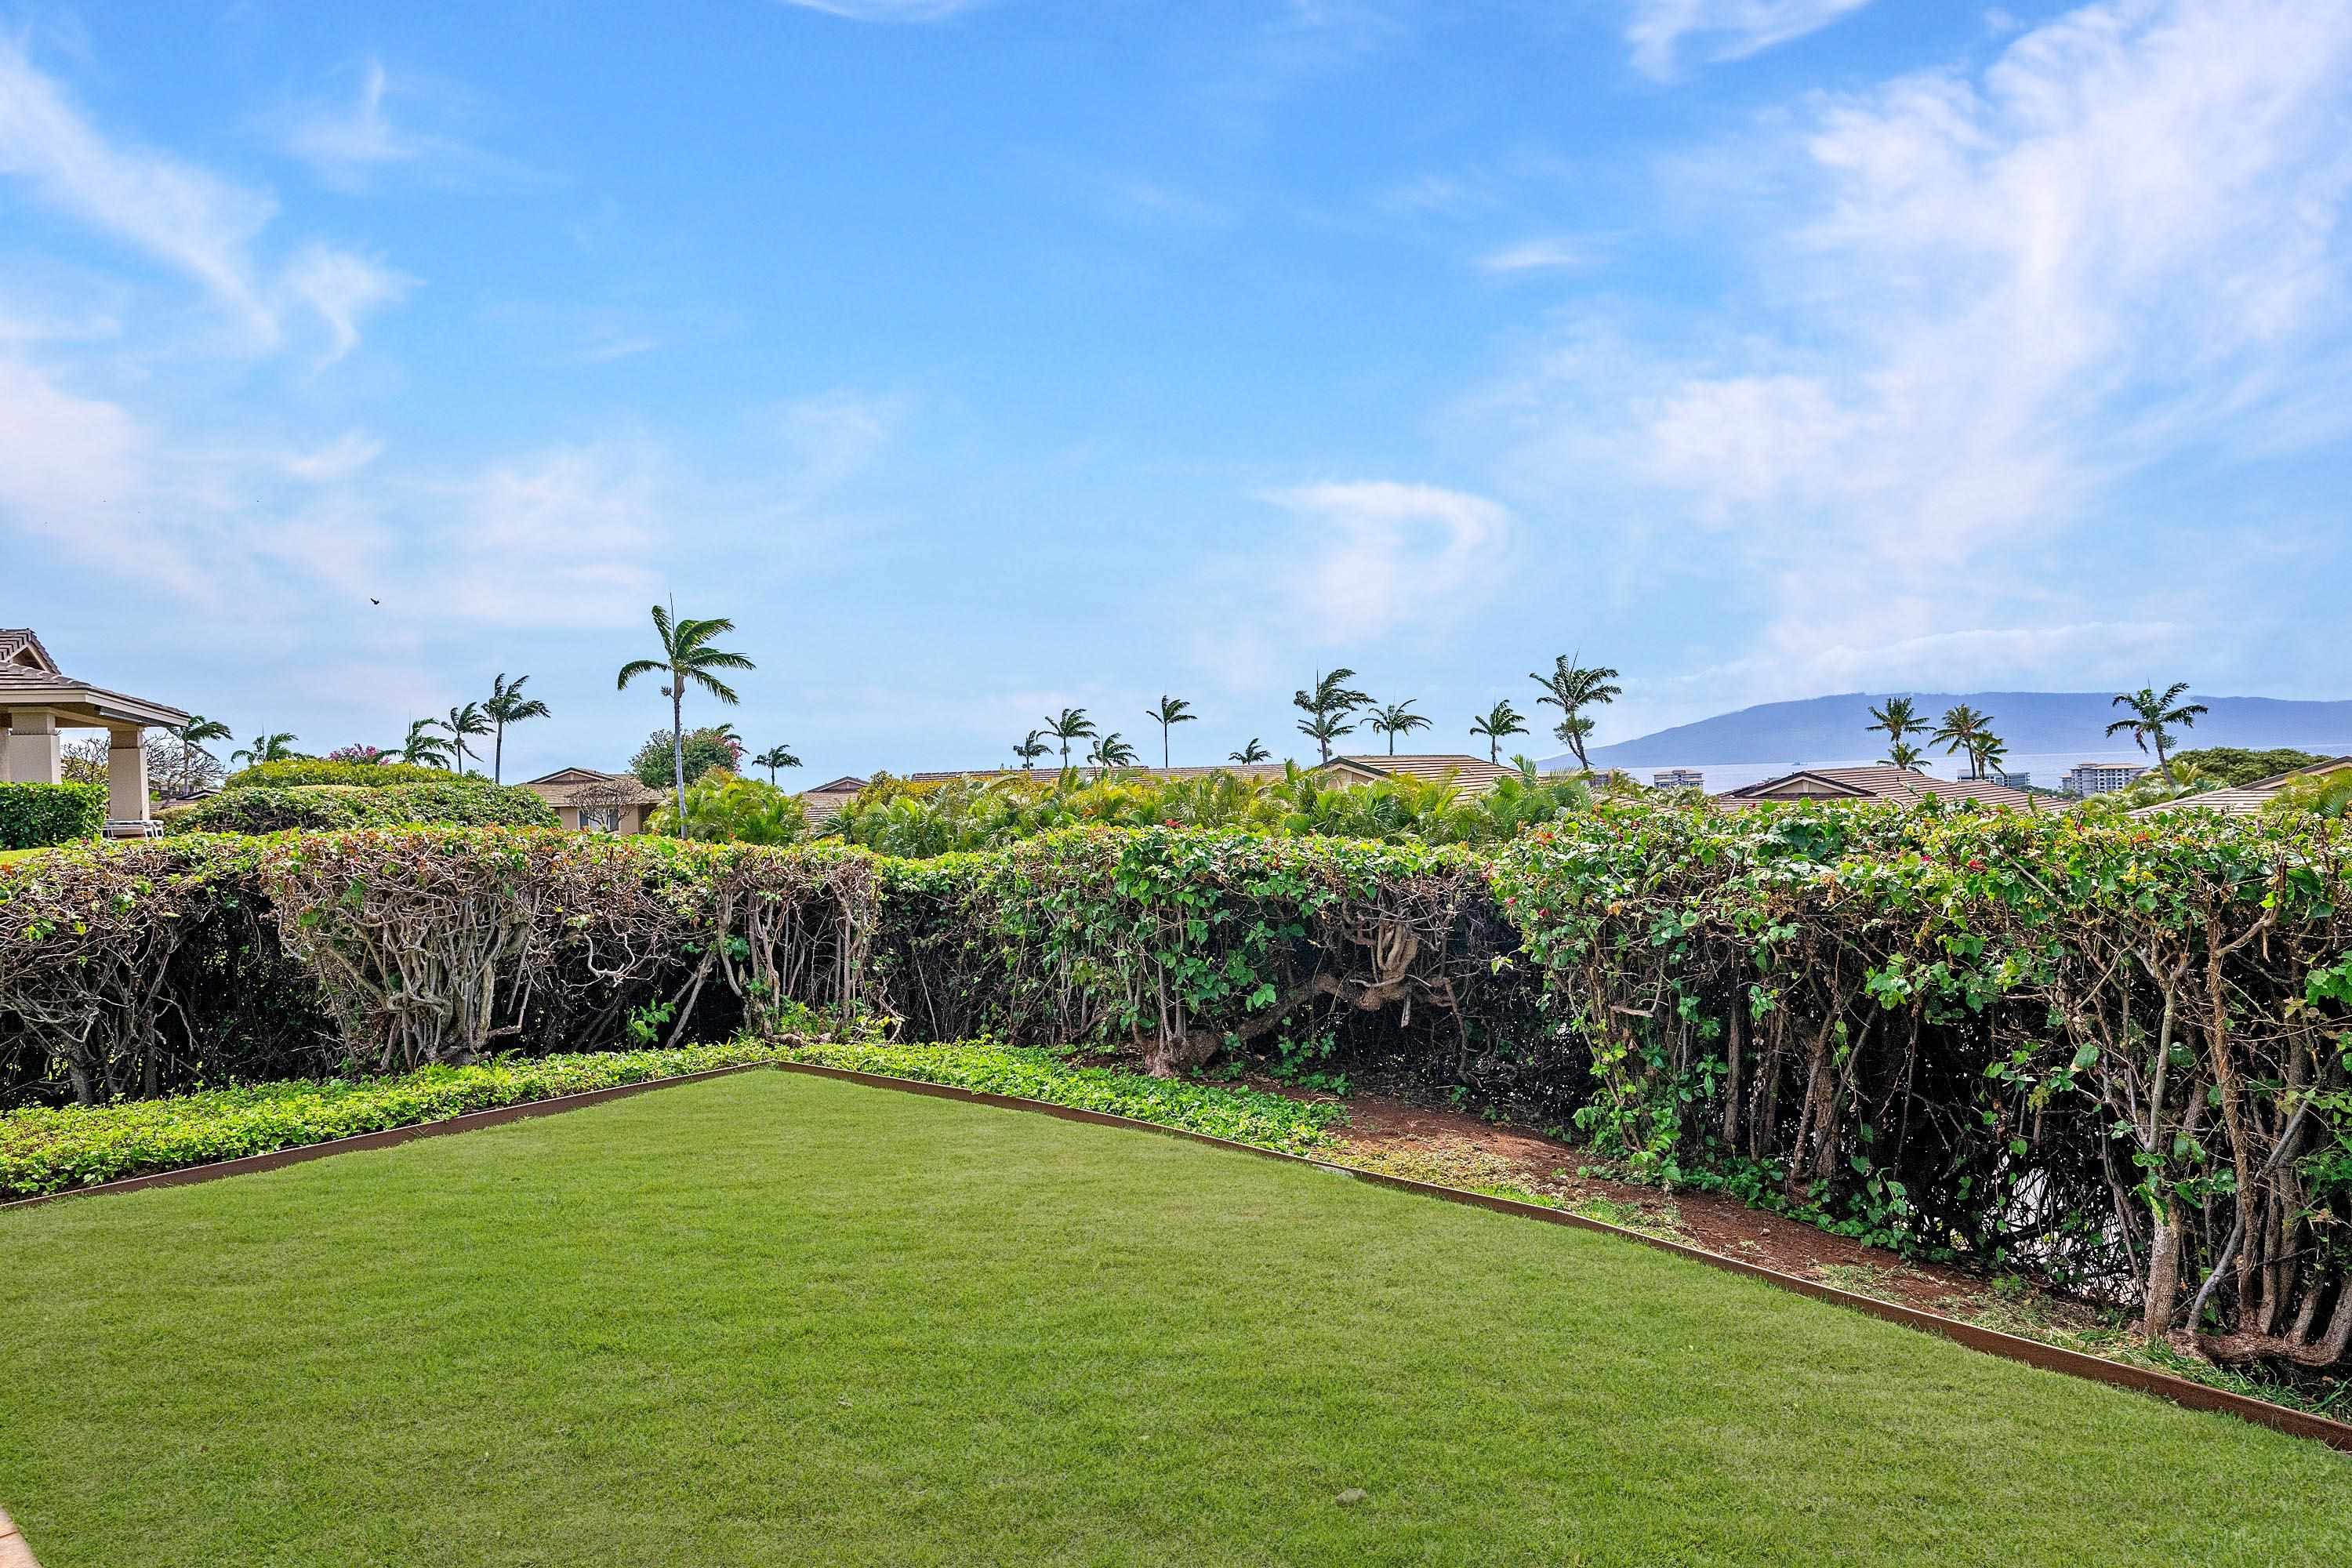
(1880,784)
(31,680)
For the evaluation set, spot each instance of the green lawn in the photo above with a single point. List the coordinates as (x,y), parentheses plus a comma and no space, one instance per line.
(776,1320)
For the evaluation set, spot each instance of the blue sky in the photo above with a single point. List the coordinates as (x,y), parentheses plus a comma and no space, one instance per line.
(984,358)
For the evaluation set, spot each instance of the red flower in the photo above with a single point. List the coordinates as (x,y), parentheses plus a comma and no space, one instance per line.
(1975,863)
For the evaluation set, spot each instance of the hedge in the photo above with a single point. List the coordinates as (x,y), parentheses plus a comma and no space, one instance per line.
(289,772)
(35,816)
(327,807)
(2116,1053)
(56,1149)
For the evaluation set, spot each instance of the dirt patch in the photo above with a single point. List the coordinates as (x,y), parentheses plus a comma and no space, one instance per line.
(1451,1147)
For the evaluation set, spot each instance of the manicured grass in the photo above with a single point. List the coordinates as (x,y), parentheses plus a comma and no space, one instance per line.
(776,1320)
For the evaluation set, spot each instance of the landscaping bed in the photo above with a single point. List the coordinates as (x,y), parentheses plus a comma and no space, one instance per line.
(776,1319)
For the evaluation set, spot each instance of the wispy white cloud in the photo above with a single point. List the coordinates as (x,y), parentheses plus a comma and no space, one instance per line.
(179,215)
(1659,30)
(1997,299)
(349,142)
(339,458)
(832,438)
(1539,255)
(887,10)
(342,289)
(1367,557)
(566,537)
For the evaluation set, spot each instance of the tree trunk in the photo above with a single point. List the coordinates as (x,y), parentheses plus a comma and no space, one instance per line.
(499,755)
(2163,1273)
(678,744)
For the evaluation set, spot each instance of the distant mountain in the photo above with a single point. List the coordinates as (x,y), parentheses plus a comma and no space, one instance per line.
(1822,729)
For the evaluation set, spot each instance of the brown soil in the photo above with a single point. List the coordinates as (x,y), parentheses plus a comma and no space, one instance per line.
(1454,1149)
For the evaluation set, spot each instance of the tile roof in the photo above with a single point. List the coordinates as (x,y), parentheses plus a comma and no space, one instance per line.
(1473,775)
(27,671)
(18,645)
(2245,799)
(1882,783)
(575,787)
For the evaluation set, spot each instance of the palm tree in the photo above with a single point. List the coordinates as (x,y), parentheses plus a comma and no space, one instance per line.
(461,722)
(1396,719)
(687,656)
(1962,728)
(1171,710)
(262,749)
(1572,689)
(507,706)
(1990,753)
(1253,752)
(1110,751)
(192,737)
(1330,700)
(1497,721)
(1032,748)
(423,749)
(774,757)
(1904,755)
(2150,714)
(1073,725)
(1901,722)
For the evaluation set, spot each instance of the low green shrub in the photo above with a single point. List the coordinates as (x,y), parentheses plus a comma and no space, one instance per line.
(35,816)
(291,771)
(1243,1115)
(329,808)
(47,1150)
(54,1150)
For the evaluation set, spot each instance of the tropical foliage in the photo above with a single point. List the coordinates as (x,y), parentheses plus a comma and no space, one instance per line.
(774,758)
(1327,705)
(1571,688)
(2153,717)
(657,762)
(1496,723)
(918,821)
(722,808)
(507,705)
(267,748)
(1169,712)
(689,656)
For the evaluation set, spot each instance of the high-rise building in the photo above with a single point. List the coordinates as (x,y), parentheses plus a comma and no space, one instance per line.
(2100,778)
(1678,778)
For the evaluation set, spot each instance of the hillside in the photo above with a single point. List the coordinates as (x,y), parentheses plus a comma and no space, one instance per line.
(1820,727)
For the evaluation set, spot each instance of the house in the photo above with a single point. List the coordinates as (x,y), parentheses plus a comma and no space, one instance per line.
(38,699)
(2245,799)
(822,801)
(1898,784)
(1472,776)
(588,801)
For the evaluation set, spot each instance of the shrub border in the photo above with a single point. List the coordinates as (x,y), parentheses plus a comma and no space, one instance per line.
(382,1137)
(2179,1391)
